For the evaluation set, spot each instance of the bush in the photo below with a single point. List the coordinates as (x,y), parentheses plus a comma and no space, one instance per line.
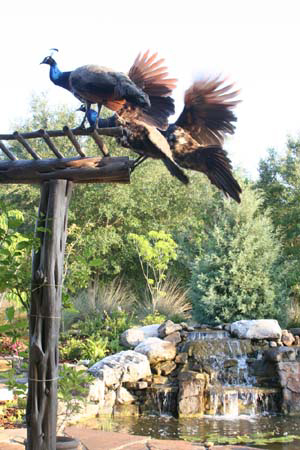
(236,274)
(154,318)
(96,336)
(114,296)
(111,297)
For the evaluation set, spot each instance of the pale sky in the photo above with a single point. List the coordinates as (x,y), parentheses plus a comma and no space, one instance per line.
(256,43)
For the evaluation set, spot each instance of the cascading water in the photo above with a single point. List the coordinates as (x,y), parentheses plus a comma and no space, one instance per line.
(233,390)
(162,399)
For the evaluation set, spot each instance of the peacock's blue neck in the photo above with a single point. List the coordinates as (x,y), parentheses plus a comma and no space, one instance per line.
(92,116)
(59,78)
(102,123)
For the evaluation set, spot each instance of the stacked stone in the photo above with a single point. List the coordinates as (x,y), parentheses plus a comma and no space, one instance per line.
(163,362)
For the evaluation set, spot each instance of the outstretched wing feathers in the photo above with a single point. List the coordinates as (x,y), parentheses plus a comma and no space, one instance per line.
(149,74)
(207,112)
(215,164)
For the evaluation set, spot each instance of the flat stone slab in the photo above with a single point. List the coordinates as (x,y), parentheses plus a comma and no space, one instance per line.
(13,439)
(104,440)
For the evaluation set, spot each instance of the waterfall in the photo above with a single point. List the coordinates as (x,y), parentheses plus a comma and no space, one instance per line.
(228,402)
(233,390)
(163,399)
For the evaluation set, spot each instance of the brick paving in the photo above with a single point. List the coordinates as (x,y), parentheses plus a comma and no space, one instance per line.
(105,440)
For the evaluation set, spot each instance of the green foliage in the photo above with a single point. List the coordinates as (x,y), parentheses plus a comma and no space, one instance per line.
(114,296)
(93,349)
(155,252)
(15,329)
(18,389)
(171,302)
(153,318)
(279,180)
(264,438)
(236,274)
(96,336)
(72,391)
(72,349)
(15,255)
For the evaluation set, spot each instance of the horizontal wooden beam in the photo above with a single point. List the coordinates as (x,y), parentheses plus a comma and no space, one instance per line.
(114,132)
(79,170)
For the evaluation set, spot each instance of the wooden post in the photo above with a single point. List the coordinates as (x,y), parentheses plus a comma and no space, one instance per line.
(45,313)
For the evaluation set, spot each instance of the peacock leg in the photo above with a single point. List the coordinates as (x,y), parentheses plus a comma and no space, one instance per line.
(138,161)
(98,116)
(88,106)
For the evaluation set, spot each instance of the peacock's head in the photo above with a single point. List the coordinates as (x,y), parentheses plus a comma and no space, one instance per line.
(49,59)
(82,108)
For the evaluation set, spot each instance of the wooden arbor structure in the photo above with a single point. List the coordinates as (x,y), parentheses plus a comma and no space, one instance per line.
(56,177)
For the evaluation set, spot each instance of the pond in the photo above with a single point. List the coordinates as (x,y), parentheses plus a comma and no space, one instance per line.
(207,428)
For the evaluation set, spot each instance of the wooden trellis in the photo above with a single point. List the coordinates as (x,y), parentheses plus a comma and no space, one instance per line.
(56,177)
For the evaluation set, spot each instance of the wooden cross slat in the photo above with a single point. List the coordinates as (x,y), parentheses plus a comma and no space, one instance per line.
(25,144)
(74,141)
(7,152)
(100,143)
(50,144)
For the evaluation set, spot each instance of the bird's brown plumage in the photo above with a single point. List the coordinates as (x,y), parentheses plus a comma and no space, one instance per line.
(207,112)
(150,76)
(147,141)
(144,90)
(197,136)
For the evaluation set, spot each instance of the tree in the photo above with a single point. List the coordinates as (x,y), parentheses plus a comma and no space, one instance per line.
(155,252)
(235,274)
(279,180)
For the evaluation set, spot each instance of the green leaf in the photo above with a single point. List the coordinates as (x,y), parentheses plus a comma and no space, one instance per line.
(10,313)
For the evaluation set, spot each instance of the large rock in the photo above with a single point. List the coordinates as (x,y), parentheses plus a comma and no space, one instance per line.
(191,398)
(150,330)
(156,350)
(124,396)
(97,391)
(287,338)
(173,337)
(167,328)
(289,376)
(256,329)
(121,367)
(134,336)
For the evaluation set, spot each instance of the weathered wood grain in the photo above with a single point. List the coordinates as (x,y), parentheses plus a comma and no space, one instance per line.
(78,170)
(45,312)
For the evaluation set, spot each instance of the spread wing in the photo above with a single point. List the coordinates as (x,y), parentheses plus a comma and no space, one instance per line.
(148,73)
(215,164)
(207,112)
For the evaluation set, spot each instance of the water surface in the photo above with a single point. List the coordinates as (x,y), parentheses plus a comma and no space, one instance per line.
(167,427)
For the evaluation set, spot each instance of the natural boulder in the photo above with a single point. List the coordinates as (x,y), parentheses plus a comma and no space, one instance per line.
(167,328)
(173,337)
(124,396)
(121,367)
(134,336)
(256,329)
(156,350)
(287,338)
(150,330)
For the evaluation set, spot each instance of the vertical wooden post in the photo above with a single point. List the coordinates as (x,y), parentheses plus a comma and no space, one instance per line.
(45,313)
